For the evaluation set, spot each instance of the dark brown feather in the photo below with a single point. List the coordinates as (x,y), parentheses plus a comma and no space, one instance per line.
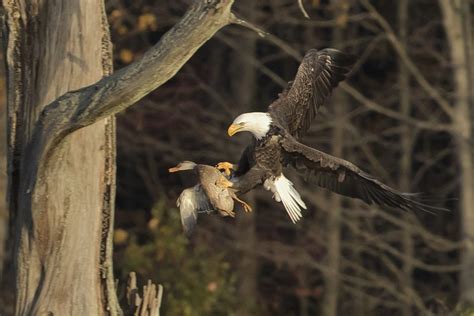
(342,177)
(318,74)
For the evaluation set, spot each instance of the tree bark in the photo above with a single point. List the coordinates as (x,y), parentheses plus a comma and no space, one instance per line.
(457,25)
(61,162)
(3,176)
(64,218)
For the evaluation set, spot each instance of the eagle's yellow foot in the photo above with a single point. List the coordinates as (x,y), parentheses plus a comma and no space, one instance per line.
(223,183)
(227,213)
(227,167)
(246,207)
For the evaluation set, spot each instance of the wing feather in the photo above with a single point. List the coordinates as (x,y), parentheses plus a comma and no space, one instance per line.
(324,170)
(318,74)
(191,202)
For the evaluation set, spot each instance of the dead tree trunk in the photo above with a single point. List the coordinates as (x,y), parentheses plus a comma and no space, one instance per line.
(61,144)
(64,217)
(3,176)
(458,28)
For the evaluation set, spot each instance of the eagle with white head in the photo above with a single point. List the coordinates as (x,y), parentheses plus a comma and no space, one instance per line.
(278,131)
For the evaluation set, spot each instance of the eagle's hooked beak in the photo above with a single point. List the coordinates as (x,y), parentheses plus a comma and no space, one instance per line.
(234,129)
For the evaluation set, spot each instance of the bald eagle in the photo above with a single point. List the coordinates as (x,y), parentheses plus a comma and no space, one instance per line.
(277,134)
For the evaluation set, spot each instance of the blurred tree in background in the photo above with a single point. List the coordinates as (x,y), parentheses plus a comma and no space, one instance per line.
(387,262)
(197,280)
(404,115)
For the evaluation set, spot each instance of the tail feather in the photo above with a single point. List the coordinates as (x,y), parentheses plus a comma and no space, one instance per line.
(290,198)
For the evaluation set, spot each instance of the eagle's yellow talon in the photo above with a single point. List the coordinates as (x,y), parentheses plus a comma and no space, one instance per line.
(227,167)
(227,213)
(246,207)
(223,182)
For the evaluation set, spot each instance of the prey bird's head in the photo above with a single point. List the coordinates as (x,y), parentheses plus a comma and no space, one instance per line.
(258,123)
(183,165)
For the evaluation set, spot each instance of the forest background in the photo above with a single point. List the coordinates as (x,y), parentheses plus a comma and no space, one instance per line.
(405,114)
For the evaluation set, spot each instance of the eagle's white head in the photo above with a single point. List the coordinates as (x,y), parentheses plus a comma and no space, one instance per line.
(258,123)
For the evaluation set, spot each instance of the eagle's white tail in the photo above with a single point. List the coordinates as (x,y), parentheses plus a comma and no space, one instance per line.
(284,191)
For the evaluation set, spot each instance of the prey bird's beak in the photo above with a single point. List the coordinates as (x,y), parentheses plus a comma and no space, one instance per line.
(234,128)
(174,169)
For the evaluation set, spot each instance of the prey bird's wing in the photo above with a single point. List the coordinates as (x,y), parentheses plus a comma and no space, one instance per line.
(190,202)
(343,177)
(318,74)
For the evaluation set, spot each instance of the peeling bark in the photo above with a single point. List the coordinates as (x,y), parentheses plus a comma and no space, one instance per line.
(44,61)
(3,177)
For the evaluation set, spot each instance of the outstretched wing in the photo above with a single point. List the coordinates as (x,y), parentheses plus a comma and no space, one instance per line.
(190,202)
(318,74)
(343,177)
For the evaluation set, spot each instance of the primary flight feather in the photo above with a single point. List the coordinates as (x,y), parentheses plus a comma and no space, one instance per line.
(277,134)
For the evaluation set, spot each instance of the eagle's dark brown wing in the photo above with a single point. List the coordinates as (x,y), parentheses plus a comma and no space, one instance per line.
(318,74)
(343,177)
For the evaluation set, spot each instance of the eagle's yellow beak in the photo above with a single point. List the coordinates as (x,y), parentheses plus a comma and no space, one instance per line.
(234,128)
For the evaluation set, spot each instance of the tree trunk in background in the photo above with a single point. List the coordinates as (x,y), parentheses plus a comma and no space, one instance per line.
(6,268)
(244,83)
(3,174)
(333,259)
(406,143)
(62,268)
(457,24)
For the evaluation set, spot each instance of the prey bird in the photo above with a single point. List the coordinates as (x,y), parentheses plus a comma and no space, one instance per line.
(276,143)
(212,193)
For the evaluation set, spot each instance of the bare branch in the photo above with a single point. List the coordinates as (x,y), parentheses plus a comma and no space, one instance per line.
(125,87)
(303,10)
(370,104)
(400,49)
(255,62)
(242,22)
(150,303)
(435,126)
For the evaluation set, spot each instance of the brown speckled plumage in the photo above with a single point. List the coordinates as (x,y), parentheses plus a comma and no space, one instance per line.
(207,196)
(318,74)
(219,197)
